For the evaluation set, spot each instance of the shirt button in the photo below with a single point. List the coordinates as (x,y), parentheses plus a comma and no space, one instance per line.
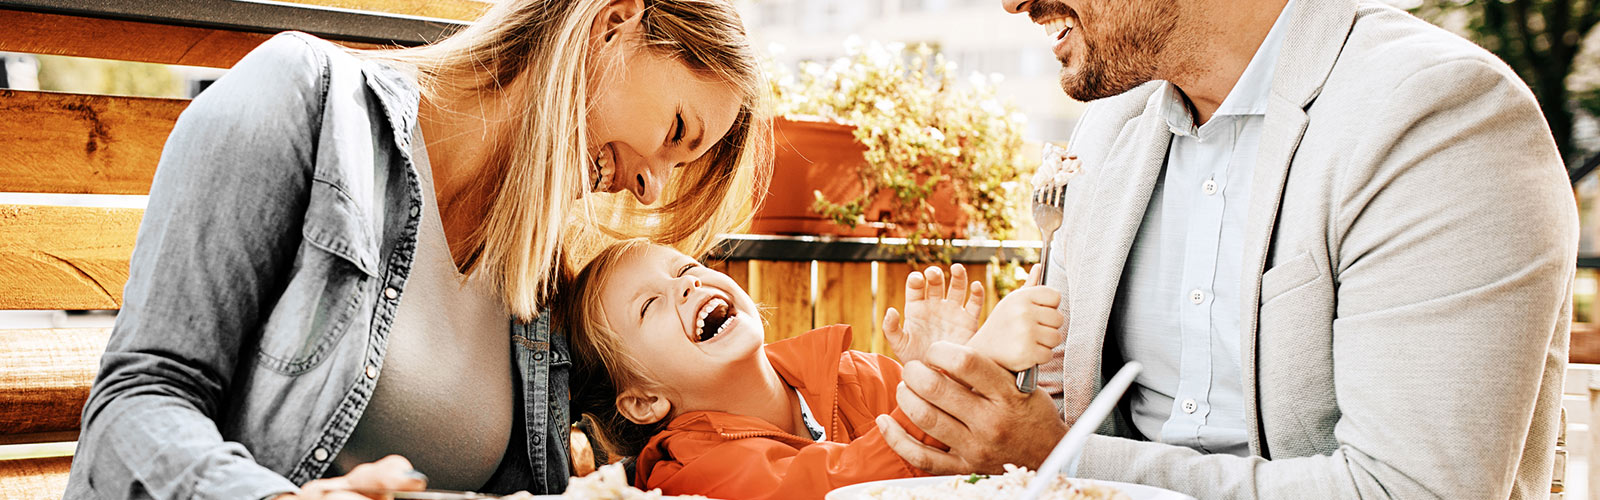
(391,293)
(319,454)
(1197,297)
(1189,406)
(1210,187)
(372,371)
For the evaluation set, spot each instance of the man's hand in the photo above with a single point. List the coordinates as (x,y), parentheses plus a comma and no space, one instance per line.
(934,313)
(972,404)
(369,481)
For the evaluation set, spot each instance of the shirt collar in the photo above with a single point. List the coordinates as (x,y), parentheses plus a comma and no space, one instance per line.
(1249,95)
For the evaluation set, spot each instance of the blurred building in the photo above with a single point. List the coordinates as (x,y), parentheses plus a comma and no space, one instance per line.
(978,35)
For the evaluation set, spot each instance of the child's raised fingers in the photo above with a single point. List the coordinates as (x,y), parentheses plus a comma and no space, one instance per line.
(916,287)
(891,323)
(958,284)
(936,289)
(975,298)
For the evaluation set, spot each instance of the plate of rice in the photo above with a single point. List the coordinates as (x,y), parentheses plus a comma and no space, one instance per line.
(1007,486)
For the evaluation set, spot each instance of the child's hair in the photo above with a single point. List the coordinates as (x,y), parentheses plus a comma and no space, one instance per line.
(601,367)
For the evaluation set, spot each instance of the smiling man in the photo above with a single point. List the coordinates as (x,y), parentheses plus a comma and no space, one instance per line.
(1340,239)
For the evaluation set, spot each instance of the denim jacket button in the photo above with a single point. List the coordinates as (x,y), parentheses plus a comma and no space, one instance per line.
(391,293)
(416,210)
(319,454)
(538,356)
(372,371)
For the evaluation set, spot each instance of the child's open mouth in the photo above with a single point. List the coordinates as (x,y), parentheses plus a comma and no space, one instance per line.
(715,316)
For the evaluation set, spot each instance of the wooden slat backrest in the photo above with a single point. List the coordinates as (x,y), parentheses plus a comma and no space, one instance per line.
(41,33)
(44,380)
(65,257)
(82,144)
(34,478)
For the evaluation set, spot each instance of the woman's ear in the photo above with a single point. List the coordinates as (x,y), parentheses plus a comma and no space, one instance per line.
(614,18)
(643,407)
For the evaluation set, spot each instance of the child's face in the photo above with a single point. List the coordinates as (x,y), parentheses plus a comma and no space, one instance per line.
(686,323)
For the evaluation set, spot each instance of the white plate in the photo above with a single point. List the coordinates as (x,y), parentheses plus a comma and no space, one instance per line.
(1134,491)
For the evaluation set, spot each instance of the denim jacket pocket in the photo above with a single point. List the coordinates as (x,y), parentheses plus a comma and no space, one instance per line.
(332,271)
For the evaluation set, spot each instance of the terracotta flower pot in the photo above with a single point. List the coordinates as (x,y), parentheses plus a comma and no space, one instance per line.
(812,154)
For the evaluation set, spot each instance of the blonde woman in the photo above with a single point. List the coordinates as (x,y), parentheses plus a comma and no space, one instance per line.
(337,286)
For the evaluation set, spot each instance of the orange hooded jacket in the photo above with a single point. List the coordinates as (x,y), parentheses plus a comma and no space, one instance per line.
(737,457)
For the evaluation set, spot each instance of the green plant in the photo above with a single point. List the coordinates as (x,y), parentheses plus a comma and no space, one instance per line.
(923,132)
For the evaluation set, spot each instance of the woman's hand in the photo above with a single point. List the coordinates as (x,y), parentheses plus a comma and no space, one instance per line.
(369,481)
(933,312)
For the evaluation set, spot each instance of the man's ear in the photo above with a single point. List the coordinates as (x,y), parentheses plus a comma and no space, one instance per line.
(613,18)
(643,407)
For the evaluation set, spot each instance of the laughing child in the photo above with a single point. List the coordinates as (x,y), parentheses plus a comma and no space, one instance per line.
(672,368)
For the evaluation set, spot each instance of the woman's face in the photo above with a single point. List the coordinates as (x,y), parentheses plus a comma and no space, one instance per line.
(650,114)
(686,323)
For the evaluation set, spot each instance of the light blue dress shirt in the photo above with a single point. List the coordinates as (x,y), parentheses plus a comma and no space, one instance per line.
(1178,309)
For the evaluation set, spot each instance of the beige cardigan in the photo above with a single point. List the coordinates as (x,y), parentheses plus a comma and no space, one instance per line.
(1408,267)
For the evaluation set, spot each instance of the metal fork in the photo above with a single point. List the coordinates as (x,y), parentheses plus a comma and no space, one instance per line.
(1048,203)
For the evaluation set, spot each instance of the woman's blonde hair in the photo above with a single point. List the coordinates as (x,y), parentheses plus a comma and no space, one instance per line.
(601,367)
(535,229)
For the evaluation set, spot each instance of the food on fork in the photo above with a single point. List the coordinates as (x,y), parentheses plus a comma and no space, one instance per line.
(1056,167)
(1008,486)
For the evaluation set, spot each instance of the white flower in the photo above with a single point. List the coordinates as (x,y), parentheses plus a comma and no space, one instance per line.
(992,107)
(852,44)
(977,79)
(878,56)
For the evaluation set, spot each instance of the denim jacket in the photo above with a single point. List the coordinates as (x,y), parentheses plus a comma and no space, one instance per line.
(281,227)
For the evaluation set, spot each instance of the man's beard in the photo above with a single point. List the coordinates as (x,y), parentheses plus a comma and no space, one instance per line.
(1129,59)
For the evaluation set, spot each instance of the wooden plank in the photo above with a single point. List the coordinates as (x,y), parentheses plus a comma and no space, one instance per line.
(1585,343)
(460,10)
(34,478)
(35,438)
(65,257)
(844,295)
(44,379)
(783,290)
(82,144)
(739,270)
(258,17)
(63,35)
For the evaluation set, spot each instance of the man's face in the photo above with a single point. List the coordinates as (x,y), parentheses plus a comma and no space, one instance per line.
(1106,47)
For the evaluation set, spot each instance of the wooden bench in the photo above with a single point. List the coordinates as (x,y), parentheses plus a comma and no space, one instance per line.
(76,258)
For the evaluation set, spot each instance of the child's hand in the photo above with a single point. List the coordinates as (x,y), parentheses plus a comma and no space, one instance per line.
(1021,329)
(934,313)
